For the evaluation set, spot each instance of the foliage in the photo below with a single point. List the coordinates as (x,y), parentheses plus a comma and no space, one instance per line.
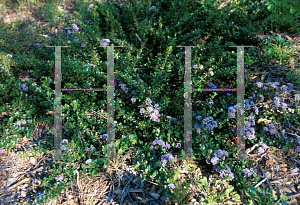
(149,111)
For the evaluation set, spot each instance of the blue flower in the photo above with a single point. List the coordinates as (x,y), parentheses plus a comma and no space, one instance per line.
(63,148)
(259,84)
(214,160)
(261,150)
(171,186)
(59,178)
(198,117)
(148,101)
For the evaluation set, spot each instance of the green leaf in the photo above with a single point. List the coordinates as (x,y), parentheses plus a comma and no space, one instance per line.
(259,190)
(177,172)
(283,197)
(236,197)
(203,181)
(118,142)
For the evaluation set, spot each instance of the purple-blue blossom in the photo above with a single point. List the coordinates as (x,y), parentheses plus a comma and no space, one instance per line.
(59,178)
(198,118)
(171,186)
(152,7)
(261,97)
(142,110)
(261,150)
(63,148)
(88,161)
(214,160)
(218,153)
(105,41)
(167,156)
(75,27)
(283,88)
(148,101)
(248,172)
(259,84)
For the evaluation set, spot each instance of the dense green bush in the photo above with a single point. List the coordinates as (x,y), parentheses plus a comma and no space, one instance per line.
(159,30)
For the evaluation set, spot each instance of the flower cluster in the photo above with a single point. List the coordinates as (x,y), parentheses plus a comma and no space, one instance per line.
(277,103)
(59,178)
(247,121)
(154,112)
(24,87)
(152,7)
(247,172)
(88,83)
(161,143)
(224,172)
(63,147)
(249,133)
(262,149)
(75,27)
(252,104)
(270,128)
(88,161)
(123,87)
(210,84)
(171,186)
(196,66)
(165,158)
(208,125)
(23,122)
(105,42)
(220,153)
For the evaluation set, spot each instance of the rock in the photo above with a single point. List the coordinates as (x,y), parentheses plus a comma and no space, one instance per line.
(32,160)
(23,193)
(193,203)
(155,195)
(268,175)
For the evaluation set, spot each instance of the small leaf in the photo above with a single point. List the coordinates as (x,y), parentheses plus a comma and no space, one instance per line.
(203,181)
(236,196)
(283,197)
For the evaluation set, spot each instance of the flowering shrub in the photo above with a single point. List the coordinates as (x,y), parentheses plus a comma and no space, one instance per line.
(149,104)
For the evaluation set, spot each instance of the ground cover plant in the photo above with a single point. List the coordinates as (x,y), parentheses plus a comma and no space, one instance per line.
(149,111)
